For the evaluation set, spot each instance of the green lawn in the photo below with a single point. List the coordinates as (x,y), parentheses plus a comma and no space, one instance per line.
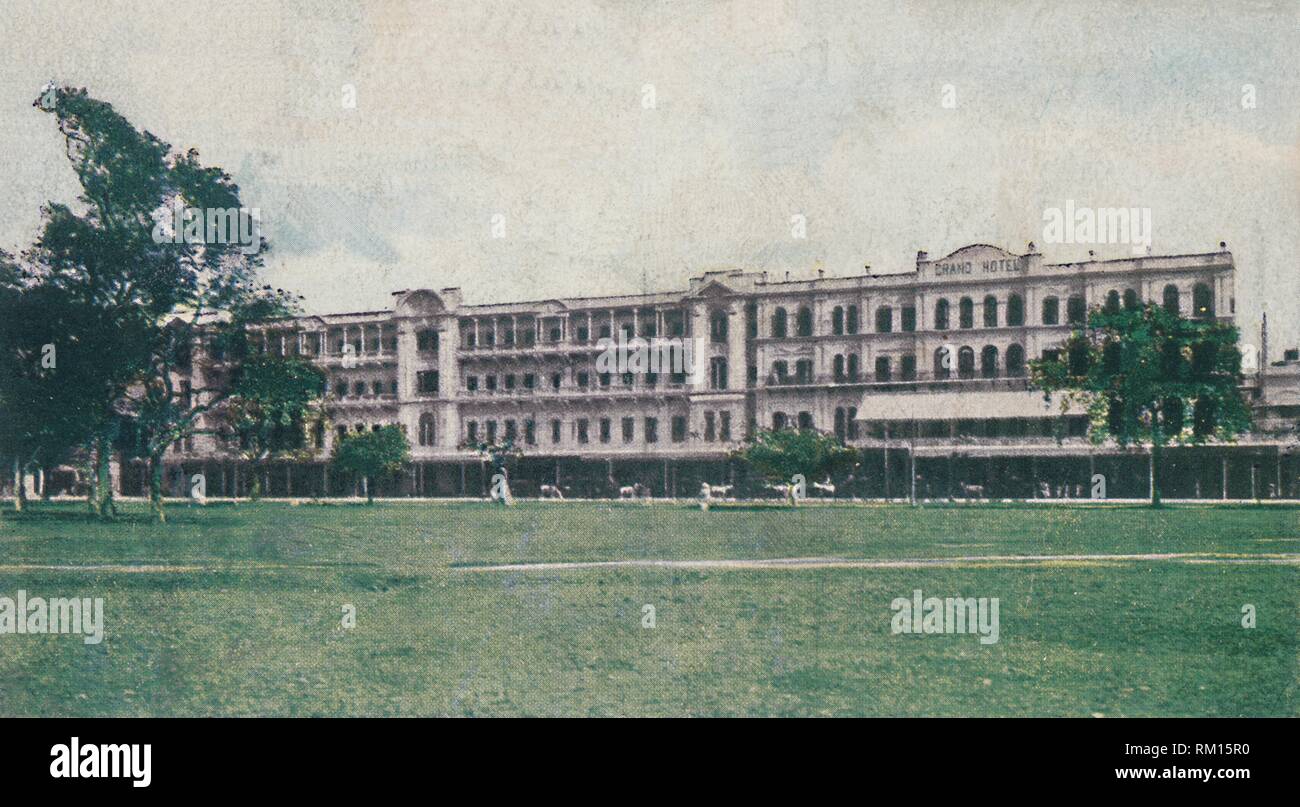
(237,611)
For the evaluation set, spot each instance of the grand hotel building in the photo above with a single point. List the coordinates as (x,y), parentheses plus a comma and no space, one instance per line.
(924,370)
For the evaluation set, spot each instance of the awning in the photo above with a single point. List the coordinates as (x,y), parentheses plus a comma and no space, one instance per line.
(973,405)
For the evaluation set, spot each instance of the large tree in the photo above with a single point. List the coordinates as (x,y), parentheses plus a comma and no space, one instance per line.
(367,455)
(1149,377)
(274,401)
(778,455)
(123,253)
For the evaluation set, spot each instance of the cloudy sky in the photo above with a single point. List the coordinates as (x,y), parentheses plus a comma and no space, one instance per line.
(603,147)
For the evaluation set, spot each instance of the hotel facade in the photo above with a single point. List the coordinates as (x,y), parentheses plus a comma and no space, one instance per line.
(925,371)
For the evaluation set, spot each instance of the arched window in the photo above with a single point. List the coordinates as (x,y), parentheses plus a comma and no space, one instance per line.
(779,420)
(718,326)
(1202,301)
(837,320)
(853,367)
(1015,310)
(1051,311)
(965,363)
(966,309)
(941,314)
(1112,302)
(990,311)
(778,322)
(884,319)
(1171,299)
(1015,361)
(883,369)
(841,430)
(1077,310)
(805,324)
(989,362)
(427,433)
(1131,300)
(853,319)
(942,363)
(838,367)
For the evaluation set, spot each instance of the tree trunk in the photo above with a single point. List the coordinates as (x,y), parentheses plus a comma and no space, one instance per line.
(255,490)
(365,486)
(102,489)
(1155,474)
(156,488)
(20,498)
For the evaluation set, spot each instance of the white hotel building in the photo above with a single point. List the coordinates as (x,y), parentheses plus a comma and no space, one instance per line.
(861,356)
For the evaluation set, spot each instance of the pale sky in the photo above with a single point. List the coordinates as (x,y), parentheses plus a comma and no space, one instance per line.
(757,112)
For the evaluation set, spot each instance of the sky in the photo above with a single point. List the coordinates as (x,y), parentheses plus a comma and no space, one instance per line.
(547,149)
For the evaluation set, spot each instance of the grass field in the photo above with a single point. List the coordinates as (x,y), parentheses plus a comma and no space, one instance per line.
(237,610)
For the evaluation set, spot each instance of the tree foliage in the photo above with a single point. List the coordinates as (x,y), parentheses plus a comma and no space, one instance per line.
(779,454)
(367,455)
(1147,376)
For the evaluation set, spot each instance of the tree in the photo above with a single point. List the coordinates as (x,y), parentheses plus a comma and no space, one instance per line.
(1150,377)
(124,254)
(779,454)
(272,403)
(366,455)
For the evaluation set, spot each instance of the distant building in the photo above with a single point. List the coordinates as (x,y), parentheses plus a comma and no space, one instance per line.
(924,370)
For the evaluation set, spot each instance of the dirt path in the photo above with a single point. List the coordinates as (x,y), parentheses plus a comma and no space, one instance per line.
(901,563)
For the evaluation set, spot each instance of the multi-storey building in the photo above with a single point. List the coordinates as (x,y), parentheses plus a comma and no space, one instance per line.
(924,370)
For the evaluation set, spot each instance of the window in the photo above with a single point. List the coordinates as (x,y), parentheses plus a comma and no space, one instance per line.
(652,430)
(582,430)
(966,313)
(679,428)
(359,388)
(1015,361)
(471,383)
(491,426)
(1171,299)
(1076,309)
(512,430)
(556,427)
(717,373)
(853,370)
(340,388)
(583,379)
(629,429)
(909,319)
(966,363)
(805,420)
(1202,302)
(803,371)
(1051,311)
(710,427)
(941,315)
(852,324)
(853,422)
(556,380)
(1131,300)
(426,429)
(426,340)
(718,326)
(989,362)
(837,367)
(471,431)
(1112,302)
(490,382)
(584,333)
(530,432)
(781,370)
(990,311)
(724,426)
(779,420)
(1015,310)
(510,381)
(841,429)
(883,370)
(909,367)
(427,382)
(377,387)
(884,319)
(778,322)
(604,430)
(837,320)
(530,380)
(805,321)
(392,387)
